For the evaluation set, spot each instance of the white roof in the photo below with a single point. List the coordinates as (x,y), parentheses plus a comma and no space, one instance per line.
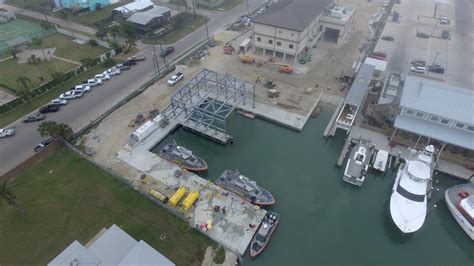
(359,87)
(144,254)
(379,65)
(461,138)
(112,246)
(439,99)
(75,252)
(134,6)
(145,17)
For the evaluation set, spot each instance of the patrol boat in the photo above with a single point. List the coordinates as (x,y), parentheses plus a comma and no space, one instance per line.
(358,163)
(264,233)
(183,157)
(248,189)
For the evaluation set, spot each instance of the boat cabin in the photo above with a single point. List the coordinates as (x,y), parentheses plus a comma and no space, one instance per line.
(466,207)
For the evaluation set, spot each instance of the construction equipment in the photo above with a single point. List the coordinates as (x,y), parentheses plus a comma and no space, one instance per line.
(189,200)
(286,69)
(247,59)
(228,48)
(272,93)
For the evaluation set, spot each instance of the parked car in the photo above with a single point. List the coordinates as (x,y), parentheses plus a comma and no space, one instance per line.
(112,71)
(167,51)
(418,69)
(34,117)
(93,82)
(42,145)
(7,132)
(446,35)
(49,108)
(418,62)
(379,55)
(82,87)
(129,63)
(443,20)
(58,101)
(386,3)
(435,68)
(175,78)
(211,43)
(102,77)
(137,57)
(72,94)
(387,38)
(422,35)
(122,67)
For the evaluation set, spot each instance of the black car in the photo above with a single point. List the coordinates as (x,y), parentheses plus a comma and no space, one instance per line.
(49,108)
(42,145)
(436,69)
(422,35)
(34,117)
(129,62)
(387,38)
(168,51)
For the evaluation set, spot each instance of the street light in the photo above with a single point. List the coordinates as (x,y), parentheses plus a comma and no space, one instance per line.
(207,30)
(164,57)
(248,12)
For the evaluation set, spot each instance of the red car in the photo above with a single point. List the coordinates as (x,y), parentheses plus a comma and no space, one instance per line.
(379,55)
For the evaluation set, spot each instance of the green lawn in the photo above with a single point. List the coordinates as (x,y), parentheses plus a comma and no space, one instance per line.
(67,198)
(24,109)
(92,17)
(10,70)
(66,48)
(228,5)
(27,3)
(179,33)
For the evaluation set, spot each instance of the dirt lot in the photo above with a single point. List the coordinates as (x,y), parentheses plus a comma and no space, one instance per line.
(298,90)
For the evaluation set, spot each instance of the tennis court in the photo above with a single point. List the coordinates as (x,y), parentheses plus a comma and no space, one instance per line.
(19,27)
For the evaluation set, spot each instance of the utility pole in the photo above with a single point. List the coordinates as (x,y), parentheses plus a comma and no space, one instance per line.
(164,57)
(194,8)
(156,60)
(207,30)
(248,12)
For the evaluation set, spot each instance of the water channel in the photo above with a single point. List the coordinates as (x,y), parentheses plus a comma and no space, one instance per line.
(323,219)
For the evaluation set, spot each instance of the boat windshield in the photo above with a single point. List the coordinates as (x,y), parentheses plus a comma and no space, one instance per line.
(416,179)
(260,237)
(414,197)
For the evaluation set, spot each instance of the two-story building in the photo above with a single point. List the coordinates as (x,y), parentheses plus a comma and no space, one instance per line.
(289,28)
(437,112)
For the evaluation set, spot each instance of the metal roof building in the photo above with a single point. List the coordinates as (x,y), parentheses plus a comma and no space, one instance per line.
(292,14)
(359,87)
(113,247)
(145,17)
(135,6)
(438,111)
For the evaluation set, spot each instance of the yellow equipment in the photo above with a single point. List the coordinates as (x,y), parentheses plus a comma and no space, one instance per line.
(189,200)
(158,195)
(177,196)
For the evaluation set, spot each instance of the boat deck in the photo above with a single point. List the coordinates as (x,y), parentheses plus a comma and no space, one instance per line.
(452,192)
(353,171)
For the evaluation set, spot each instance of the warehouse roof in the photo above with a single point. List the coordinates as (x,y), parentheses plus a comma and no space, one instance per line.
(134,6)
(292,14)
(439,99)
(360,85)
(143,18)
(144,254)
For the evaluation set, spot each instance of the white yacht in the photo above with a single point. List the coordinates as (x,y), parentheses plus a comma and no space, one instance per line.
(460,201)
(358,163)
(408,199)
(380,162)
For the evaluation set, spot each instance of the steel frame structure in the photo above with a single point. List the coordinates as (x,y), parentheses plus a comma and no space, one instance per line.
(209,98)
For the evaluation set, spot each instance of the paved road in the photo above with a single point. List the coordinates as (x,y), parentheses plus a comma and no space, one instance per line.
(78,113)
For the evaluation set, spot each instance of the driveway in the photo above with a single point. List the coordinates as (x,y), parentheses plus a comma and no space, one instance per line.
(77,113)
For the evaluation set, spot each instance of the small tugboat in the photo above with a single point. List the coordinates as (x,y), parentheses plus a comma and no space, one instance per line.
(264,233)
(183,157)
(460,201)
(409,193)
(243,186)
(358,163)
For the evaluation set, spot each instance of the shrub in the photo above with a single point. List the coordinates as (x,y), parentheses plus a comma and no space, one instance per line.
(109,62)
(93,42)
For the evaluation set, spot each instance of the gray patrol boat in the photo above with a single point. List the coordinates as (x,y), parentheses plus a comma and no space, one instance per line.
(358,163)
(248,189)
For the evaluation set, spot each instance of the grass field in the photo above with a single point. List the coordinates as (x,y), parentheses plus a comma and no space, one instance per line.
(27,3)
(66,48)
(177,34)
(24,109)
(228,5)
(92,17)
(67,198)
(10,71)
(20,27)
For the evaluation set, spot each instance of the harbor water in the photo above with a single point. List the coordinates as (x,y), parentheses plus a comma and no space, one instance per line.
(323,219)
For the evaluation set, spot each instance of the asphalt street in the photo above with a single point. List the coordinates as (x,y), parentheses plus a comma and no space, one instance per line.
(77,113)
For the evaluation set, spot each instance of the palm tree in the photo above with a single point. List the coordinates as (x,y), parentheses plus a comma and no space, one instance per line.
(25,93)
(39,42)
(59,132)
(7,195)
(64,16)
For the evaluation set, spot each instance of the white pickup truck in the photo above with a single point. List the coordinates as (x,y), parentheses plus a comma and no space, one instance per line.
(7,132)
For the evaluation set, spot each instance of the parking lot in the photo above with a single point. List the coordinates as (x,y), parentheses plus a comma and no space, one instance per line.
(417,17)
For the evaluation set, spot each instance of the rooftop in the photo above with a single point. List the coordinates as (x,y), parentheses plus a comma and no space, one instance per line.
(439,99)
(292,14)
(135,6)
(339,12)
(360,85)
(145,17)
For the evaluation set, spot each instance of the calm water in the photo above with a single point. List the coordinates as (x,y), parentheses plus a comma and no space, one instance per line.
(323,219)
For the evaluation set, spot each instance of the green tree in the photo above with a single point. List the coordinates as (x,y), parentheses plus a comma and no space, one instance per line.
(64,15)
(34,60)
(102,32)
(58,76)
(25,93)
(88,62)
(39,43)
(131,42)
(114,31)
(127,29)
(59,132)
